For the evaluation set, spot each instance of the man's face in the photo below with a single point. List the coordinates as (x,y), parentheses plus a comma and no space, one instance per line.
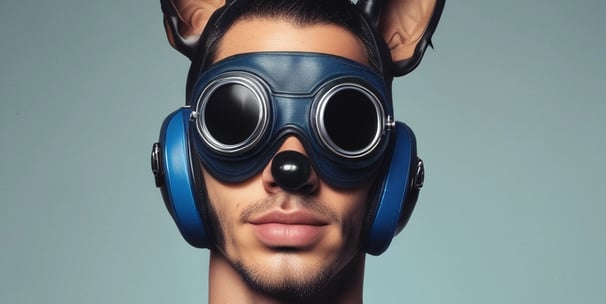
(283,242)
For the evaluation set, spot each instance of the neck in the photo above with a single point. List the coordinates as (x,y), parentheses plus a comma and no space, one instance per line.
(227,286)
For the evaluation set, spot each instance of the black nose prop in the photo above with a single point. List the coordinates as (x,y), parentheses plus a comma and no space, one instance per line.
(291,170)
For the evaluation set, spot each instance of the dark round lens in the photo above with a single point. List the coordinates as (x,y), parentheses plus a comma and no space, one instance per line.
(350,119)
(231,114)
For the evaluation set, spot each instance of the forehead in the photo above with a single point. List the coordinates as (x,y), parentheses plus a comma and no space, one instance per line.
(257,35)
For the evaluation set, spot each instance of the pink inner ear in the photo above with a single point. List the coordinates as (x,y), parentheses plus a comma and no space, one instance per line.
(395,40)
(403,23)
(185,20)
(194,15)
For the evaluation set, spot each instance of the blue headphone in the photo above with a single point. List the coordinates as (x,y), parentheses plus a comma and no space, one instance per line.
(255,92)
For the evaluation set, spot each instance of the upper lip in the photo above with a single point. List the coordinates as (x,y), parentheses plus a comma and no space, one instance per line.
(296,217)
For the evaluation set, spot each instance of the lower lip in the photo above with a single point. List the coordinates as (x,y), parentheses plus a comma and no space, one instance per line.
(283,235)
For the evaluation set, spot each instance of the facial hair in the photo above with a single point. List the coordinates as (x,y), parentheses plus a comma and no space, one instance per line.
(290,284)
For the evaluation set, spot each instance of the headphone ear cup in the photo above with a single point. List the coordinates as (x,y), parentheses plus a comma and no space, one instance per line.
(397,192)
(417,174)
(174,177)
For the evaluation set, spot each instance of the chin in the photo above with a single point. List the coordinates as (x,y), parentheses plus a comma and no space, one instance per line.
(287,276)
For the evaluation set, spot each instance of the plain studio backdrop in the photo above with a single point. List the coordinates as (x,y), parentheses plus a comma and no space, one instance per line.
(508,110)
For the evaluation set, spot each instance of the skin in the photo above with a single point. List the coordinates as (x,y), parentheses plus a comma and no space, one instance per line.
(276,262)
(403,23)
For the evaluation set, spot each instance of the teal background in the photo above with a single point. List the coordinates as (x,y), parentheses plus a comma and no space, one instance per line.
(508,109)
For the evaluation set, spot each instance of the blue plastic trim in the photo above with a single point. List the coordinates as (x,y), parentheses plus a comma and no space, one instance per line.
(393,194)
(179,181)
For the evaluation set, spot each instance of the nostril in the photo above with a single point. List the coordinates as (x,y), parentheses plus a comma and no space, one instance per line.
(291,171)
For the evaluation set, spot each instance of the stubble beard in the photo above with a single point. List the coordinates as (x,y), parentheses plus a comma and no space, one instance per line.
(289,283)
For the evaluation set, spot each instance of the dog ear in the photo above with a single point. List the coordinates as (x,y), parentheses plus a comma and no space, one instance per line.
(406,27)
(185,20)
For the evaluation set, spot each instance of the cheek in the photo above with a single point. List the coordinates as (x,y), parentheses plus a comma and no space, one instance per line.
(223,218)
(227,202)
(352,208)
(353,225)
(228,198)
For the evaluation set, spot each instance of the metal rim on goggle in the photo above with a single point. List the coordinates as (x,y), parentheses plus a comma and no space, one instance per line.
(348,139)
(233,116)
(237,127)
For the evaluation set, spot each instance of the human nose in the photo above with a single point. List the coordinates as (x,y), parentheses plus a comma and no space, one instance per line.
(290,170)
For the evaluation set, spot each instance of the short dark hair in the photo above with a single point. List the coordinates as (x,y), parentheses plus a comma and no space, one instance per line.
(300,12)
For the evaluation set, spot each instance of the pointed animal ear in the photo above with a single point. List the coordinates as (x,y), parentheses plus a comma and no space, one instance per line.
(185,20)
(406,27)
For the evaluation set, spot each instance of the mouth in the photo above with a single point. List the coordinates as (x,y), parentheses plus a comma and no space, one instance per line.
(297,229)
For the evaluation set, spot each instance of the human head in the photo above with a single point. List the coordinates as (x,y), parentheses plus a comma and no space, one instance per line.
(344,208)
(288,243)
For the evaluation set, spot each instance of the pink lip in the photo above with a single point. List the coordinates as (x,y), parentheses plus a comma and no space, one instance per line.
(296,217)
(297,229)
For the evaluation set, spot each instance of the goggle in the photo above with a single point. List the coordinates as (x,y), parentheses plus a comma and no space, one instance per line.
(246,105)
